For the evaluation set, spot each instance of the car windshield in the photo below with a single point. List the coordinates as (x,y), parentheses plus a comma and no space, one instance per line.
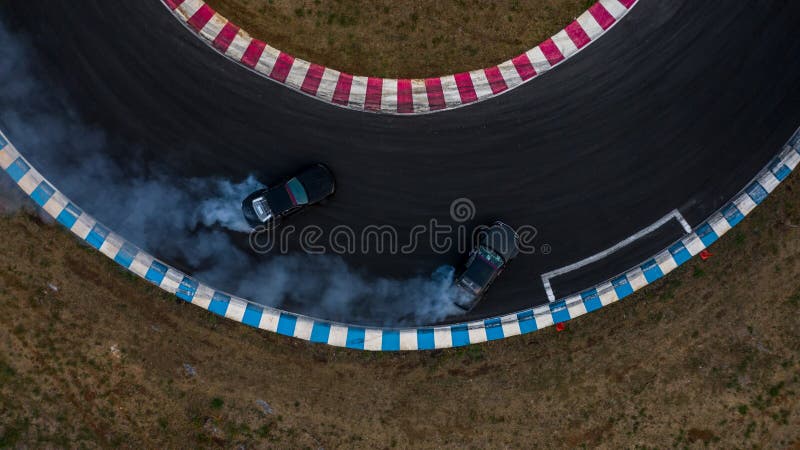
(297,192)
(483,267)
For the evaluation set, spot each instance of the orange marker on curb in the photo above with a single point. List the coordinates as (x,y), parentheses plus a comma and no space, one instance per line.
(705,254)
(560,326)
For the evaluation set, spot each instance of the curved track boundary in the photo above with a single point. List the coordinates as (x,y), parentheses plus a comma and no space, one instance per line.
(389,95)
(190,290)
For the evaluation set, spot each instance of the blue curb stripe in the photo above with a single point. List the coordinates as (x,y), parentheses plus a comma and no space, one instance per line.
(732,215)
(780,170)
(591,300)
(155,274)
(42,193)
(252,315)
(69,215)
(219,303)
(559,312)
(706,234)
(97,236)
(651,271)
(126,255)
(459,335)
(355,338)
(794,141)
(756,192)
(494,329)
(390,341)
(527,324)
(286,324)
(679,253)
(320,332)
(187,288)
(425,340)
(622,287)
(18,169)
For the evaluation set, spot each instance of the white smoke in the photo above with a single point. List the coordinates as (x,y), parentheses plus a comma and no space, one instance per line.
(223,209)
(189,222)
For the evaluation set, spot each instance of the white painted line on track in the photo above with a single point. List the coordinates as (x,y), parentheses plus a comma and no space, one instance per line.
(679,217)
(546,277)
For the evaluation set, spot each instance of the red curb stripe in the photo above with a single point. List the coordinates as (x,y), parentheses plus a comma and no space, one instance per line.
(173,4)
(627,3)
(253,53)
(313,78)
(433,86)
(465,88)
(551,52)
(201,17)
(496,80)
(341,95)
(524,67)
(578,35)
(282,67)
(602,16)
(374,91)
(225,37)
(405,101)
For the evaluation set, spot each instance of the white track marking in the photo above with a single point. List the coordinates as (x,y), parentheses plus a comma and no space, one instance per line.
(302,327)
(327,85)
(679,217)
(510,74)
(189,8)
(419,95)
(481,84)
(450,90)
(674,214)
(236,309)
(538,60)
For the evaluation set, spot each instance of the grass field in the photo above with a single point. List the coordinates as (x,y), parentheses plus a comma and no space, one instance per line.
(92,356)
(402,39)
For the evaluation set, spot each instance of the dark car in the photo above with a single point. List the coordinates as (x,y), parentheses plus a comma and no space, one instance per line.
(267,206)
(497,246)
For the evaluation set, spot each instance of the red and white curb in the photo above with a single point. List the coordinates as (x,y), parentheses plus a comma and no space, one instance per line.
(389,95)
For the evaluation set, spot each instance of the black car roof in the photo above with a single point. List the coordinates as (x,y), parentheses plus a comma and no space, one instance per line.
(502,239)
(480,271)
(278,199)
(318,182)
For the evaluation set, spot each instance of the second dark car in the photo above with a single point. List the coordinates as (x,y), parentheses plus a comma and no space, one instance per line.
(497,246)
(266,207)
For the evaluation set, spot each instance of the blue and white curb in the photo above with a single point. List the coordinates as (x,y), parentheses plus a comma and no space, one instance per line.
(275,320)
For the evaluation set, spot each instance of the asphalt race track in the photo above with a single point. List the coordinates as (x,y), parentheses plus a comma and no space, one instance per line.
(677,107)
